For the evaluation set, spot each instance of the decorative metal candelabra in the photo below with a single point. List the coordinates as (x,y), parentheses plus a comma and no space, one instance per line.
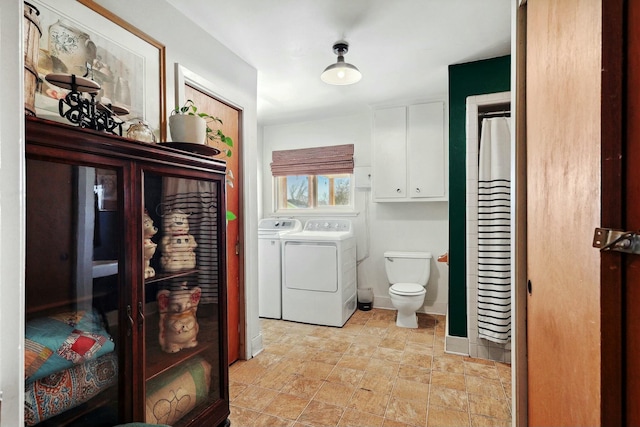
(86,112)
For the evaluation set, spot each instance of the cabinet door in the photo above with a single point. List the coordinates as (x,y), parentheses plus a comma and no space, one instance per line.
(184,297)
(390,153)
(73,277)
(425,147)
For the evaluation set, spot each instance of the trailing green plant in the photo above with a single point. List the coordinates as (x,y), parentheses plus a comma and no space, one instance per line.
(189,108)
(229,182)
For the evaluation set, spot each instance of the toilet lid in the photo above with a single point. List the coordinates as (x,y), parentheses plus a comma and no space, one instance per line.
(408,289)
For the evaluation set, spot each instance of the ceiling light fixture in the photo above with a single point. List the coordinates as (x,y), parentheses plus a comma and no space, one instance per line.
(341,73)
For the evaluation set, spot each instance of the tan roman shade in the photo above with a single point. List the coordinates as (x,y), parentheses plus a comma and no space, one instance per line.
(334,159)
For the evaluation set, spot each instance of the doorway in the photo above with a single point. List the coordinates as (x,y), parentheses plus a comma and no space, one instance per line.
(206,101)
(476,106)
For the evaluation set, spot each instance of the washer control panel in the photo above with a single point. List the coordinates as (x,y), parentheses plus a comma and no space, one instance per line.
(328,225)
(278,224)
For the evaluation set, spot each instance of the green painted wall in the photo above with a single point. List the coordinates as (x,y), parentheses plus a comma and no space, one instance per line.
(472,78)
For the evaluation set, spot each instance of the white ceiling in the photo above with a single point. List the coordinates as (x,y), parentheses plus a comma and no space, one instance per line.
(402,47)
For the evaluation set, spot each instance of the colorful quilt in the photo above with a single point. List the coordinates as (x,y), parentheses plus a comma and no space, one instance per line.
(58,342)
(63,390)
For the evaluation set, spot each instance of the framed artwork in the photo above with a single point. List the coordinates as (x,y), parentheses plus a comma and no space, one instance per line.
(81,37)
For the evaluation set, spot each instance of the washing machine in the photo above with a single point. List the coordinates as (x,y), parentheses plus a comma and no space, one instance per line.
(270,230)
(319,273)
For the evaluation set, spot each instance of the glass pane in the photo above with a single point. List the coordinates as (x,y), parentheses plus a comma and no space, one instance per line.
(325,193)
(297,192)
(72,281)
(342,188)
(182,284)
(334,190)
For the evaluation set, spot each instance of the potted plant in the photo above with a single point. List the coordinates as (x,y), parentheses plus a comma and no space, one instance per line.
(187,124)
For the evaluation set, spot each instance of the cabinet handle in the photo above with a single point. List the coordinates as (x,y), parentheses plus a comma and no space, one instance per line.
(398,191)
(140,315)
(130,321)
(417,190)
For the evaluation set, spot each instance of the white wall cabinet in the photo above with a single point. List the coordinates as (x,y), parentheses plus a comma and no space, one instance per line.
(409,153)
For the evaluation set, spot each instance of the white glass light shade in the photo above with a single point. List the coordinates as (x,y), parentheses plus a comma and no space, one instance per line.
(341,73)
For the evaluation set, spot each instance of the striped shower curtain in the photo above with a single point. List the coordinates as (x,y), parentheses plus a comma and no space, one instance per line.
(199,199)
(494,231)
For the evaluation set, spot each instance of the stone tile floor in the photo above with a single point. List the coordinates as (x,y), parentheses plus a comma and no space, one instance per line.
(367,373)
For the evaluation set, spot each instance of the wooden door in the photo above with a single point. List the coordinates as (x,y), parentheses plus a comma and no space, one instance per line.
(563,207)
(231,125)
(581,173)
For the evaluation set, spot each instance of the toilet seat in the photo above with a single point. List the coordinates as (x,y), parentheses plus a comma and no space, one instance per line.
(407,289)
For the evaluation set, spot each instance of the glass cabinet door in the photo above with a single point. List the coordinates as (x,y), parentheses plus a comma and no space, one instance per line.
(182,242)
(73,269)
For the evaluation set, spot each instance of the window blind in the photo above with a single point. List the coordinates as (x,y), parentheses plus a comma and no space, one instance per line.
(313,161)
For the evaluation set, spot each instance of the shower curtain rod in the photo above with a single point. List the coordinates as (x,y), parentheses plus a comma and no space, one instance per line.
(495,113)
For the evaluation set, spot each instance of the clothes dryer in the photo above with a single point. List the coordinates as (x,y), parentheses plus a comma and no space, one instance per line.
(270,230)
(319,273)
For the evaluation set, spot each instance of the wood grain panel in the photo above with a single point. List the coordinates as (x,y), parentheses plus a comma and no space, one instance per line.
(563,196)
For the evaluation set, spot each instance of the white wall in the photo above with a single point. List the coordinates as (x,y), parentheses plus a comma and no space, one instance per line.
(421,226)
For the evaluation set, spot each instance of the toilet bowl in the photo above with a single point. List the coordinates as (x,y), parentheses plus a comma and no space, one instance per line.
(407,274)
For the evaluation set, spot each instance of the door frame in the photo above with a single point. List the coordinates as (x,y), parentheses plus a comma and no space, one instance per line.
(631,262)
(519,367)
(184,76)
(612,200)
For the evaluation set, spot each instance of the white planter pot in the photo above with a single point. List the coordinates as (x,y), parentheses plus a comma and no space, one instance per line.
(185,128)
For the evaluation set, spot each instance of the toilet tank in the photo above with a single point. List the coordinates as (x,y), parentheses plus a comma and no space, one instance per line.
(407,267)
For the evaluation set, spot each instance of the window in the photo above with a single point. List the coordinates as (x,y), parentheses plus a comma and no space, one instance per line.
(314,191)
(313,178)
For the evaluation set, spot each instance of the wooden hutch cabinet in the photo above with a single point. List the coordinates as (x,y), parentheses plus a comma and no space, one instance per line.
(125,282)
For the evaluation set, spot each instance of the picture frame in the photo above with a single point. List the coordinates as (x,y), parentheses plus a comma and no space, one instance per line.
(127,63)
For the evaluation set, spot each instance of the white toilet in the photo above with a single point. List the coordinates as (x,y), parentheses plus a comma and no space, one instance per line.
(408,274)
